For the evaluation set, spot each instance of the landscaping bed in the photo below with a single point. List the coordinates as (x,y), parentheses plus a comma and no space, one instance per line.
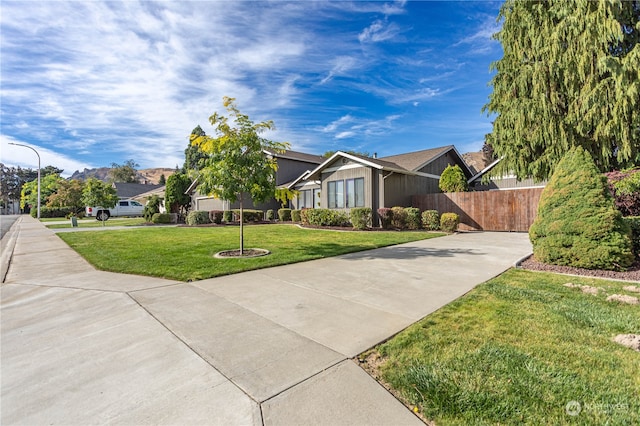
(632,274)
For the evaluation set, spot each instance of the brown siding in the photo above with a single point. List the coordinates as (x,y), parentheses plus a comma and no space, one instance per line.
(289,170)
(399,188)
(513,210)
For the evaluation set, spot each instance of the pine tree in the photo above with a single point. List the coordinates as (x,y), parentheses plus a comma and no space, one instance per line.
(570,76)
(577,222)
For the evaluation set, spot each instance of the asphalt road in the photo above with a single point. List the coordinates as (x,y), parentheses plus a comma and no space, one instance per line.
(5,223)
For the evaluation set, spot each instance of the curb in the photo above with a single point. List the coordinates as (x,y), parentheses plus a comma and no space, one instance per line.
(8,243)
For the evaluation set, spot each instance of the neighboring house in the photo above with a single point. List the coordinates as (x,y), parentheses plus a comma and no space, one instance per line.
(344,180)
(132,190)
(500,183)
(291,164)
(159,191)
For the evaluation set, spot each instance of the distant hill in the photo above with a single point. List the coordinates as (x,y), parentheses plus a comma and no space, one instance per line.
(151,176)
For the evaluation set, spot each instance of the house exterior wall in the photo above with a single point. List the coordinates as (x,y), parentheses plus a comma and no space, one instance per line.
(507,182)
(347,169)
(398,189)
(207,203)
(289,170)
(437,166)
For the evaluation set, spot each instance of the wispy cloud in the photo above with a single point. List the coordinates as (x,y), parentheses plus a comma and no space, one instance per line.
(379,31)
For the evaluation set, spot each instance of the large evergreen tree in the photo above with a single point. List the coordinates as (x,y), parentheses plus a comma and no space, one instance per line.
(570,76)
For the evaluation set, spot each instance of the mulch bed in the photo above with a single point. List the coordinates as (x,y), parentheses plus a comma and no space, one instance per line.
(632,274)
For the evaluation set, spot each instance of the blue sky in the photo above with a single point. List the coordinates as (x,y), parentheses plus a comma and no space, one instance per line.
(90,83)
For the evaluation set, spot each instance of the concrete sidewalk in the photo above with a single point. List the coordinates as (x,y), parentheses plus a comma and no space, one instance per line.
(269,347)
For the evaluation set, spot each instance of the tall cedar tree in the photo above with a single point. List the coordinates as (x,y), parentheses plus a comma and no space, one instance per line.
(237,168)
(569,77)
(577,223)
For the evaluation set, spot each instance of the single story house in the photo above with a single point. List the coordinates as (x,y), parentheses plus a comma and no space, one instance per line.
(133,190)
(345,180)
(291,164)
(500,183)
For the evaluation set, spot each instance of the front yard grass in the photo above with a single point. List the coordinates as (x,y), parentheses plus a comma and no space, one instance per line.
(517,350)
(94,223)
(185,254)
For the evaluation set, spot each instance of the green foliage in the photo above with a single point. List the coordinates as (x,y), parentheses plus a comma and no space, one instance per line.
(48,212)
(625,188)
(284,195)
(249,215)
(227,216)
(431,220)
(398,217)
(304,218)
(634,225)
(385,215)
(177,201)
(453,179)
(295,216)
(215,216)
(327,217)
(48,186)
(361,217)
(194,157)
(198,217)
(152,207)
(413,218)
(99,194)
(284,215)
(161,218)
(124,173)
(568,77)
(577,223)
(68,194)
(162,180)
(449,222)
(270,214)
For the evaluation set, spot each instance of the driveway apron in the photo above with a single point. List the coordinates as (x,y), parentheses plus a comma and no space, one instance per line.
(272,346)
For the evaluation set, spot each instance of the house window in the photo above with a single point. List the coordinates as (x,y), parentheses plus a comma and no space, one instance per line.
(355,192)
(316,198)
(335,195)
(305,199)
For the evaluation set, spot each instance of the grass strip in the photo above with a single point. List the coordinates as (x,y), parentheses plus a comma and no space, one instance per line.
(521,349)
(186,253)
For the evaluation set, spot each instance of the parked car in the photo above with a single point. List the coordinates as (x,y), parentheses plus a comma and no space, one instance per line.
(122,208)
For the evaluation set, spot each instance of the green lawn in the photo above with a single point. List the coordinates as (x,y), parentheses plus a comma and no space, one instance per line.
(94,223)
(518,349)
(186,253)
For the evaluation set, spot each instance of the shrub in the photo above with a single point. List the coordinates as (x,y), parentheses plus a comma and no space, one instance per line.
(453,179)
(198,217)
(398,217)
(284,215)
(327,217)
(361,217)
(304,218)
(50,212)
(249,215)
(227,216)
(384,214)
(161,218)
(413,217)
(577,223)
(215,216)
(449,222)
(152,207)
(270,214)
(625,188)
(295,216)
(431,220)
(634,224)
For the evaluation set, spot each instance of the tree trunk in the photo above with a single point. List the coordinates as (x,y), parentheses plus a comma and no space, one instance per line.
(241,228)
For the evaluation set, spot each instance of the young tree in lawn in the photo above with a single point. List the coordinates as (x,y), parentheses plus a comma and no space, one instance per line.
(99,194)
(569,76)
(68,194)
(237,166)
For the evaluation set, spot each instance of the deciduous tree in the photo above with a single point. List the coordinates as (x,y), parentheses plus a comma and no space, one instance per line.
(236,167)
(68,194)
(126,172)
(569,77)
(99,194)
(176,200)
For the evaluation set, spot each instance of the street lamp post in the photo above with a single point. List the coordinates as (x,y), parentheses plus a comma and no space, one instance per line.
(32,149)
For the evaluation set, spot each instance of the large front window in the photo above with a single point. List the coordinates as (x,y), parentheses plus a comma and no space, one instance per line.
(305,199)
(336,194)
(355,192)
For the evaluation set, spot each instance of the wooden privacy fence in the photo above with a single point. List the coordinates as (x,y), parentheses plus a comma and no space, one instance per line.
(511,210)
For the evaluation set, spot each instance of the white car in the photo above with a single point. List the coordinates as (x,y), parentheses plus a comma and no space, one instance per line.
(122,208)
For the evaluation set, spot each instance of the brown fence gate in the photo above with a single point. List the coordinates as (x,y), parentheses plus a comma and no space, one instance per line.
(509,210)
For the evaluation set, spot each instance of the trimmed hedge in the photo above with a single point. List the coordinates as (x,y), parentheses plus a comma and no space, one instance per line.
(215,216)
(295,216)
(431,220)
(449,222)
(327,217)
(284,215)
(270,215)
(249,215)
(413,220)
(161,218)
(361,217)
(198,217)
(304,218)
(227,216)
(634,224)
(49,212)
(398,217)
(385,215)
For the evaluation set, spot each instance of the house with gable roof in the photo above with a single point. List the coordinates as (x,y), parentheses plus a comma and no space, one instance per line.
(345,181)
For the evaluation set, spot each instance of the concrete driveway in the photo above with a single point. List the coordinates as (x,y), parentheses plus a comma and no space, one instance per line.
(270,347)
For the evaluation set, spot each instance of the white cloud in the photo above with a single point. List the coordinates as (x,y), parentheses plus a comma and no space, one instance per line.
(379,31)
